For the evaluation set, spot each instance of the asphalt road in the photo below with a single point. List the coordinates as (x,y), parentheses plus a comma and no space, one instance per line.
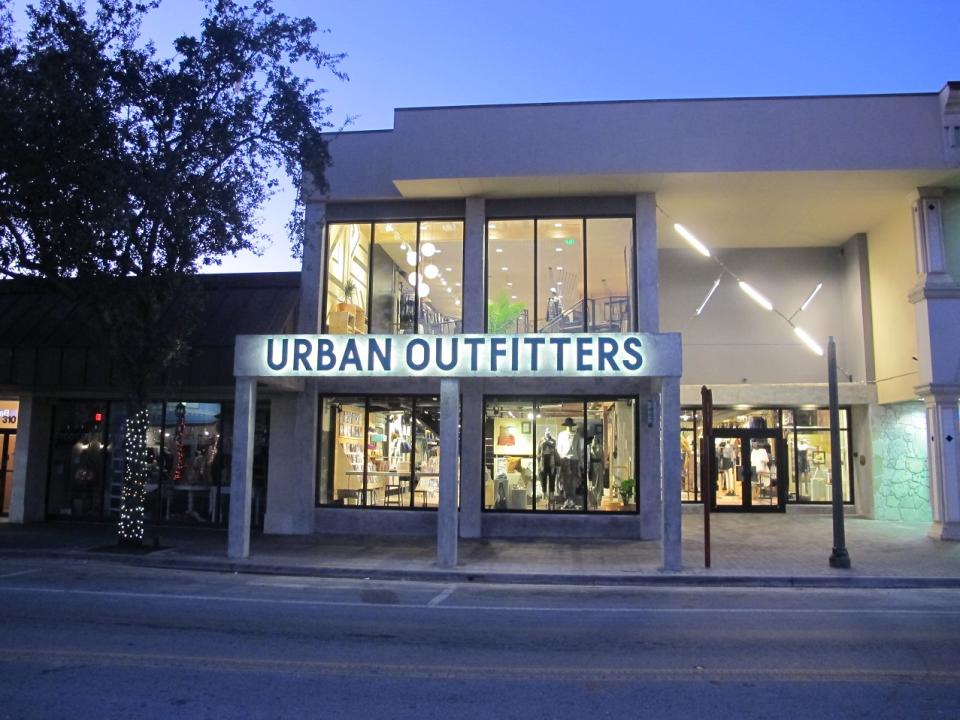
(99,640)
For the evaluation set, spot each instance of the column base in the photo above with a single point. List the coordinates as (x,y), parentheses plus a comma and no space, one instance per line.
(949,531)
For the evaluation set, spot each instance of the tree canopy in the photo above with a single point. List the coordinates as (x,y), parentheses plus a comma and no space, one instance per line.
(119,162)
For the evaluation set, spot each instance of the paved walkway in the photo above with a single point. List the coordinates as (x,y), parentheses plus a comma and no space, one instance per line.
(747,549)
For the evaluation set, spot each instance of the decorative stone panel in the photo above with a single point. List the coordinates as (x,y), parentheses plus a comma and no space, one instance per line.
(900,483)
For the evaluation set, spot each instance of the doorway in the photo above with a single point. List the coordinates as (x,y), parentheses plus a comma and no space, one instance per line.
(8,446)
(750,471)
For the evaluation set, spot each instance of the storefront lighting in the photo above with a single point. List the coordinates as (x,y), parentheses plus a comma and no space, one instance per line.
(443,282)
(449,290)
(413,278)
(513,297)
(424,290)
(388,227)
(457,302)
(559,282)
(456,284)
(431,271)
(411,258)
(428,249)
(559,267)
(558,224)
(500,250)
(530,416)
(448,269)
(756,296)
(692,239)
(716,284)
(559,249)
(810,299)
(807,340)
(505,268)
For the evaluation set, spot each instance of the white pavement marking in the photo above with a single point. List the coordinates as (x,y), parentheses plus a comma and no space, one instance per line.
(20,572)
(483,608)
(440,597)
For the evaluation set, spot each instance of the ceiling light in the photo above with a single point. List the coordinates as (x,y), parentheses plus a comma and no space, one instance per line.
(716,284)
(493,225)
(403,246)
(530,416)
(411,258)
(428,249)
(513,297)
(449,269)
(807,340)
(388,227)
(499,249)
(424,290)
(559,249)
(509,284)
(558,224)
(449,290)
(431,271)
(810,299)
(413,278)
(456,284)
(559,267)
(456,302)
(559,282)
(505,268)
(443,282)
(692,239)
(757,297)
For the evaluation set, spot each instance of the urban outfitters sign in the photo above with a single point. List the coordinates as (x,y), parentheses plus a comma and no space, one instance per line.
(459,356)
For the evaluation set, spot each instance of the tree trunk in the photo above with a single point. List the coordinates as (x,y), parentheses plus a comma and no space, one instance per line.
(135,463)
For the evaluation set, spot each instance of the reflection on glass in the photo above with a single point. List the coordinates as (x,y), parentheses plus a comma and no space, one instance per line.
(689,477)
(560,276)
(76,488)
(609,284)
(426,480)
(392,292)
(510,273)
(348,263)
(189,461)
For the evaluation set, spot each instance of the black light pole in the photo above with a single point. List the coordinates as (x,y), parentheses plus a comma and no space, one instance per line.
(839,558)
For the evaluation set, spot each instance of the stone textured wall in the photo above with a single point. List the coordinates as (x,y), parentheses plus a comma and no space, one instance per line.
(900,484)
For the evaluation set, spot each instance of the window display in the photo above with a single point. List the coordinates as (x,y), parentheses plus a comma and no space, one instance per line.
(380,452)
(563,455)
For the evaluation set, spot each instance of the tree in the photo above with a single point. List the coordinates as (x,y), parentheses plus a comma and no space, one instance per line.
(123,173)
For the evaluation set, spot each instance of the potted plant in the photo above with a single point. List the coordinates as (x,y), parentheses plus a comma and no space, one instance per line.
(503,313)
(627,488)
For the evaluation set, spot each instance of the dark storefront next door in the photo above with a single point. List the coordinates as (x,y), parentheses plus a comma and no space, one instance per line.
(8,446)
(750,472)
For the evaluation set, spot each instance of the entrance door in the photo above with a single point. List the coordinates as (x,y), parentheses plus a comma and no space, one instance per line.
(750,472)
(8,446)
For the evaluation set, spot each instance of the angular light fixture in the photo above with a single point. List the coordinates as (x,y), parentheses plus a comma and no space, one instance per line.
(757,297)
(810,299)
(807,340)
(716,284)
(692,239)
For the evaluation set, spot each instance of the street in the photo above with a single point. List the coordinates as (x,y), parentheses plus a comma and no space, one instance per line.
(84,639)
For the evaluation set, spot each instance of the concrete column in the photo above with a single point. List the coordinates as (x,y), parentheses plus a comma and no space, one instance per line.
(474,260)
(646,272)
(302,486)
(471,461)
(290,489)
(943,453)
(449,451)
(241,467)
(671,548)
(30,461)
(936,302)
(313,269)
(648,471)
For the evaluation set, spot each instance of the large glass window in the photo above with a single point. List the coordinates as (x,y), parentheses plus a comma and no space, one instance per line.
(807,435)
(560,455)
(395,277)
(380,452)
(559,275)
(76,486)
(510,271)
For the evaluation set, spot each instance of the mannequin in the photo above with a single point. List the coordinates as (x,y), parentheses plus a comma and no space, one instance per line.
(547,462)
(570,447)
(554,306)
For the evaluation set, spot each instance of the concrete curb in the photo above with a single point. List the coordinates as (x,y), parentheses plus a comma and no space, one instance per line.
(208,563)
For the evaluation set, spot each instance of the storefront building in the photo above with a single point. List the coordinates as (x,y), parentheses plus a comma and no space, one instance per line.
(729,238)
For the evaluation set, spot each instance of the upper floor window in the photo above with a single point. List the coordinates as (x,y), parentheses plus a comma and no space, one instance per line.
(560,275)
(395,277)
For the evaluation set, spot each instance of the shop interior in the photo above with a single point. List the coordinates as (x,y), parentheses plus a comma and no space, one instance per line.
(562,455)
(382,452)
(395,278)
(807,435)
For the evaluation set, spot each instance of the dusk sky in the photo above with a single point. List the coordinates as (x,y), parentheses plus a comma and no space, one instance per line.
(418,52)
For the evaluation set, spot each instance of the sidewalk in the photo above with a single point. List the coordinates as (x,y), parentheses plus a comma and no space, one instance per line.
(761,550)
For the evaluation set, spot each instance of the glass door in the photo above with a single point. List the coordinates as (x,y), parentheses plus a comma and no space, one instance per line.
(749,471)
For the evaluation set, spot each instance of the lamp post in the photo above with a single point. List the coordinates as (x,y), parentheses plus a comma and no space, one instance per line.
(839,558)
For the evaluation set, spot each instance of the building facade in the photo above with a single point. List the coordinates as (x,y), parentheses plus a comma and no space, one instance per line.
(750,229)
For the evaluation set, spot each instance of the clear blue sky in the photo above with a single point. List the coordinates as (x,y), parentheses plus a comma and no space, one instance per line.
(450,52)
